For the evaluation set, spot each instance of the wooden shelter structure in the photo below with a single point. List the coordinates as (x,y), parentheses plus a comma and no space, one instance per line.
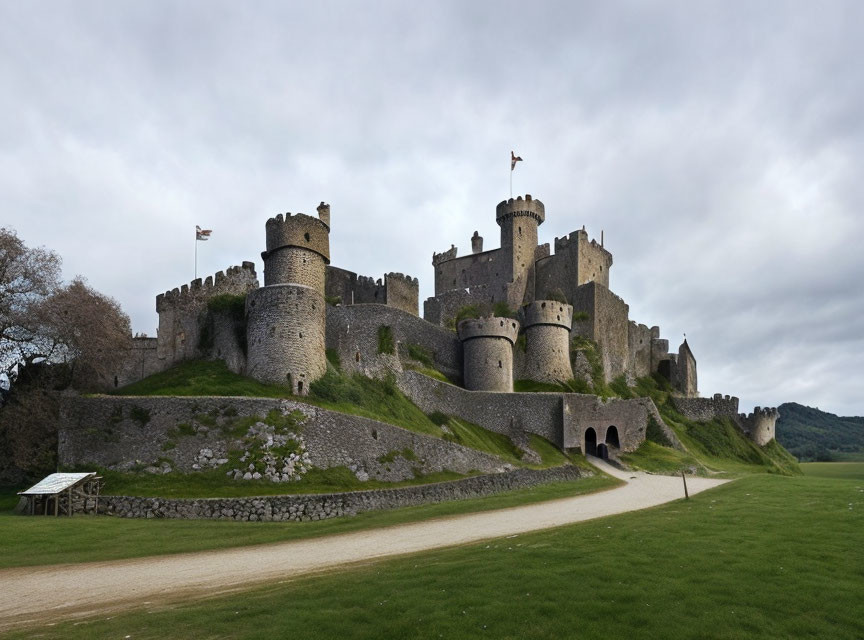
(59,493)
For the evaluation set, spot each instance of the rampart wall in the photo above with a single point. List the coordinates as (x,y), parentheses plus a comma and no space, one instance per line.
(561,418)
(607,325)
(396,290)
(142,361)
(181,311)
(187,434)
(352,332)
(704,409)
(329,505)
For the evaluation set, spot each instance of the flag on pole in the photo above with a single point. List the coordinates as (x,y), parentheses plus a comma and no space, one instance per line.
(202,234)
(513,160)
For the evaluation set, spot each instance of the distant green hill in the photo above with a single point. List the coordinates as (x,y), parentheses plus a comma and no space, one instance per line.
(811,434)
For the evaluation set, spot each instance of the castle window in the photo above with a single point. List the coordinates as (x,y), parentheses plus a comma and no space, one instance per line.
(499,365)
(357,357)
(115,381)
(306,235)
(301,335)
(520,231)
(300,384)
(543,305)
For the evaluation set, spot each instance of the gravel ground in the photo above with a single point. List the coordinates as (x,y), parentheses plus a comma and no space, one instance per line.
(34,595)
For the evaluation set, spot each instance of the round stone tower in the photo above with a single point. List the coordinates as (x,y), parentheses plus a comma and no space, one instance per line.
(519,219)
(286,317)
(487,353)
(547,341)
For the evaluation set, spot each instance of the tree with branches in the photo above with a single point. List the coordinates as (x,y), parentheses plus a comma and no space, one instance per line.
(53,337)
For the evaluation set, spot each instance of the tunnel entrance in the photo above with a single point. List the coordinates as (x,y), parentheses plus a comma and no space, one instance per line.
(602,451)
(612,437)
(590,442)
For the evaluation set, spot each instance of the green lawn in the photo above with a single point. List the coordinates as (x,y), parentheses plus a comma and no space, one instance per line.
(843,470)
(28,541)
(766,556)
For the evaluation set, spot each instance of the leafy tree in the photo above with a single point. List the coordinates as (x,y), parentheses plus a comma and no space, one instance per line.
(52,337)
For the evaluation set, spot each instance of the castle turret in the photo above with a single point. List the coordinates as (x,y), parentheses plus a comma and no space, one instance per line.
(519,219)
(286,317)
(547,341)
(487,353)
(760,425)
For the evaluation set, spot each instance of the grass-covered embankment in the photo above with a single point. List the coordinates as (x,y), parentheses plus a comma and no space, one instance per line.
(338,391)
(714,446)
(762,557)
(27,541)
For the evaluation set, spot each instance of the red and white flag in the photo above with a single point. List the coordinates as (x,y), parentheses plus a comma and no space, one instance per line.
(513,160)
(202,234)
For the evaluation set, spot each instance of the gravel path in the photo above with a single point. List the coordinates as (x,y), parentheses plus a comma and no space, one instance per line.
(38,594)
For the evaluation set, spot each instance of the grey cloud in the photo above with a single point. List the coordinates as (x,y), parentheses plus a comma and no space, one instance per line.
(718,146)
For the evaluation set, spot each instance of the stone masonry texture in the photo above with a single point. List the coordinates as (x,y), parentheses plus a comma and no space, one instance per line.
(124,433)
(330,505)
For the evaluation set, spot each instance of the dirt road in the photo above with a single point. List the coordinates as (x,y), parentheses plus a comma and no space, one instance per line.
(32,594)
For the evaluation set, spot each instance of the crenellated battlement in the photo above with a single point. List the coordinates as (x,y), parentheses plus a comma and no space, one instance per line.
(760,412)
(401,277)
(299,230)
(222,282)
(580,237)
(519,207)
(760,425)
(547,312)
(444,256)
(489,327)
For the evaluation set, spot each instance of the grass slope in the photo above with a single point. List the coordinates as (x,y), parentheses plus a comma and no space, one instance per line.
(714,446)
(811,434)
(762,557)
(27,541)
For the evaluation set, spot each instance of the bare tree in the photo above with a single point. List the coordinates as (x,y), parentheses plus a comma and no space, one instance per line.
(41,321)
(52,337)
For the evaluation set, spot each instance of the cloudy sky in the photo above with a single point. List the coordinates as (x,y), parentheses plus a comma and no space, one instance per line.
(719,145)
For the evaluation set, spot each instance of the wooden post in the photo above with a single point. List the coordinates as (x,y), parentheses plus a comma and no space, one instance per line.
(57,504)
(686,495)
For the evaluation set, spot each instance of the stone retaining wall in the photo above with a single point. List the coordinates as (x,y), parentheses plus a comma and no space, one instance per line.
(321,506)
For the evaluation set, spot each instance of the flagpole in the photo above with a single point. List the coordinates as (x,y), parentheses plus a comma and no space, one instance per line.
(196,255)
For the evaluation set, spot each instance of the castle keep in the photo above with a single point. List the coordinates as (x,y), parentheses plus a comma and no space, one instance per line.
(502,320)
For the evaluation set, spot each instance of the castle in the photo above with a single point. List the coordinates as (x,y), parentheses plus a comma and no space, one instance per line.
(530,315)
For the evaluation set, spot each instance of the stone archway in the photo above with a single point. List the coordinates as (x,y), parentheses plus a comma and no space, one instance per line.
(590,442)
(612,437)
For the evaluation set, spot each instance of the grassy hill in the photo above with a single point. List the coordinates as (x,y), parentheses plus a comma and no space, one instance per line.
(811,434)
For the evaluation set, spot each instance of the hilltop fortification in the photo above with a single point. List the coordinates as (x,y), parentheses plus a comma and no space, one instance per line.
(521,312)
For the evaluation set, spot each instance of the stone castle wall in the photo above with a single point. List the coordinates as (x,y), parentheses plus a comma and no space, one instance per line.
(577,260)
(704,409)
(396,290)
(176,433)
(141,361)
(181,311)
(561,418)
(352,332)
(285,334)
(547,341)
(487,352)
(760,425)
(295,266)
(297,230)
(607,325)
(639,348)
(306,507)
